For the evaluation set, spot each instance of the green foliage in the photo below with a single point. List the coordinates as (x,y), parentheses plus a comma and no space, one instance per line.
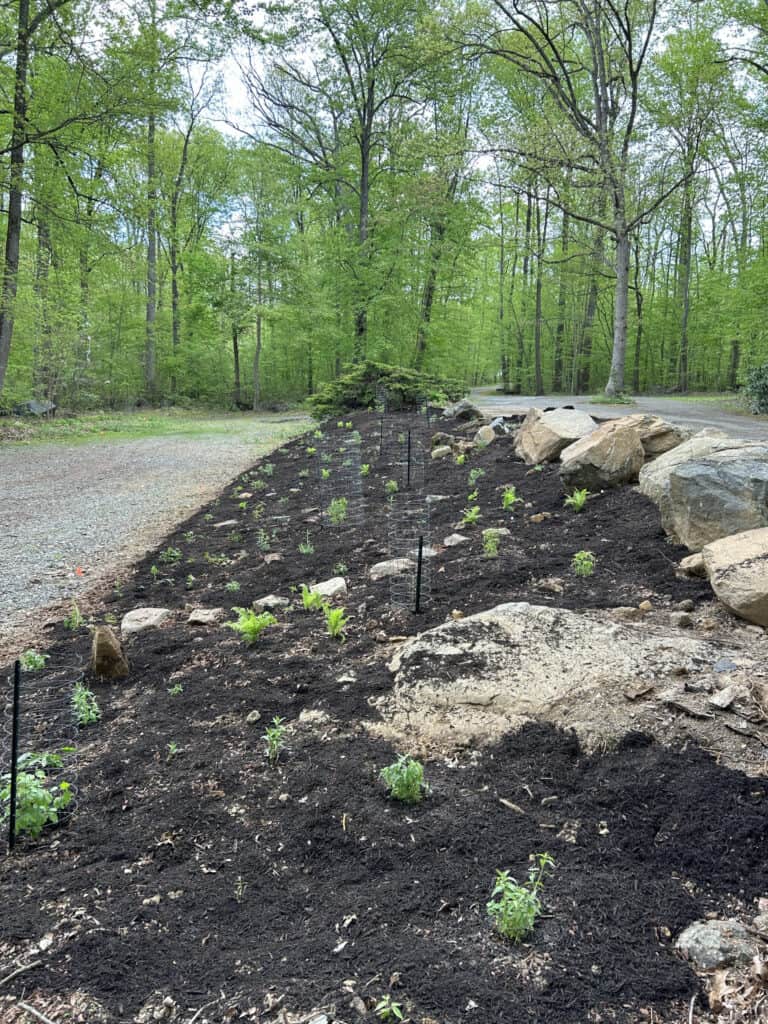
(391,487)
(335,621)
(274,738)
(232,587)
(311,601)
(85,705)
(578,499)
(491,542)
(75,619)
(756,389)
(263,542)
(471,515)
(475,475)
(32,661)
(306,547)
(38,802)
(268,468)
(170,556)
(337,511)
(509,498)
(341,568)
(176,690)
(583,563)
(473,495)
(460,459)
(388,1010)
(513,908)
(356,388)
(251,625)
(325,474)
(405,780)
(365,469)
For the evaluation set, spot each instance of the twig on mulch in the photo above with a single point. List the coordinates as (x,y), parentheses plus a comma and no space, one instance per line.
(20,970)
(205,1007)
(691,1008)
(34,1012)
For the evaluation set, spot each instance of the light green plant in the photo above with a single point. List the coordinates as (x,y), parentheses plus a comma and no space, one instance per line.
(268,468)
(325,474)
(470,516)
(474,475)
(85,705)
(306,547)
(318,434)
(303,474)
(388,1010)
(232,587)
(274,738)
(365,469)
(513,908)
(337,511)
(190,581)
(242,505)
(311,601)
(208,517)
(31,661)
(170,556)
(583,563)
(189,536)
(578,499)
(172,749)
(258,510)
(250,624)
(335,621)
(509,498)
(263,542)
(235,537)
(460,459)
(538,468)
(117,589)
(311,451)
(37,804)
(473,495)
(349,425)
(341,569)
(491,543)
(259,485)
(154,572)
(391,487)
(405,780)
(75,619)
(176,690)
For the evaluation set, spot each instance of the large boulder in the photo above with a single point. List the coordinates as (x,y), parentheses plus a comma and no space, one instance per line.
(654,476)
(472,680)
(543,435)
(463,410)
(656,434)
(611,455)
(717,496)
(738,572)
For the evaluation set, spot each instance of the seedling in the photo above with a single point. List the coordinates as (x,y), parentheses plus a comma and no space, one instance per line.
(190,581)
(470,516)
(31,661)
(509,498)
(390,487)
(208,517)
(349,425)
(263,542)
(274,739)
(583,563)
(577,500)
(242,505)
(335,621)
(337,511)
(117,589)
(341,569)
(514,908)
(251,625)
(154,572)
(311,601)
(325,474)
(491,543)
(75,619)
(311,451)
(365,469)
(170,556)
(318,434)
(268,468)
(258,510)
(405,780)
(189,536)
(235,537)
(85,705)
(176,690)
(37,805)
(306,547)
(387,1010)
(474,475)
(473,495)
(538,468)
(232,587)
(216,559)
(303,474)
(460,459)
(172,749)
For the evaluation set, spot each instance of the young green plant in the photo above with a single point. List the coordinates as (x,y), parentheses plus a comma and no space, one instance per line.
(577,500)
(513,908)
(509,498)
(335,621)
(251,625)
(405,780)
(84,705)
(274,738)
(583,563)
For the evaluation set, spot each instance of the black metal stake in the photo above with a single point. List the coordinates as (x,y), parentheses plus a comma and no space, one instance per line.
(408,483)
(14,753)
(419,563)
(381,435)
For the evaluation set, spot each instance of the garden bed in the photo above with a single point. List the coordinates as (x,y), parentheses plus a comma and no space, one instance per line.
(192,871)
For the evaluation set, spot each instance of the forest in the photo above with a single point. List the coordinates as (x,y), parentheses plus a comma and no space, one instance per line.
(228,202)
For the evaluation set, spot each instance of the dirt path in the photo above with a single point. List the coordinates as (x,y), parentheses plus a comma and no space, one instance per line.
(74,516)
(693,414)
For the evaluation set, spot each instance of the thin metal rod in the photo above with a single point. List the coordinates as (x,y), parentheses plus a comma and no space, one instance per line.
(419,563)
(14,753)
(408,483)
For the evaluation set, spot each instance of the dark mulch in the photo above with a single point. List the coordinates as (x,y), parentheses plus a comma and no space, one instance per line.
(300,879)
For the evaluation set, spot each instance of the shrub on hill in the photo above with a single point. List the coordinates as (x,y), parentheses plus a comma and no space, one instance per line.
(357,388)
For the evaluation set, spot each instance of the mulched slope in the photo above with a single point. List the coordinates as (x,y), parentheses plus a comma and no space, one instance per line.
(299,879)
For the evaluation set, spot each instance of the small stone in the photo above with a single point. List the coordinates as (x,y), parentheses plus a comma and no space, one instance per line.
(143,618)
(645,606)
(205,616)
(725,665)
(391,567)
(540,517)
(427,551)
(272,558)
(724,698)
(441,439)
(456,614)
(712,944)
(443,451)
(270,603)
(485,435)
(627,613)
(681,619)
(252,717)
(332,588)
(496,532)
(433,499)
(454,539)
(760,924)
(694,565)
(685,606)
(108,660)
(225,523)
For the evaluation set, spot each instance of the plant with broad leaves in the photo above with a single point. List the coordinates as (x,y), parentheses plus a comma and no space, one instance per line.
(513,908)
(250,625)
(405,780)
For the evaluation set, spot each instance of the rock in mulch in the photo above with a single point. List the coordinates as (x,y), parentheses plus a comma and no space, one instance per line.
(454,539)
(443,451)
(272,603)
(463,410)
(205,616)
(611,455)
(475,679)
(332,588)
(485,435)
(391,567)
(715,497)
(108,660)
(543,435)
(654,476)
(711,944)
(694,565)
(496,533)
(140,619)
(657,435)
(738,572)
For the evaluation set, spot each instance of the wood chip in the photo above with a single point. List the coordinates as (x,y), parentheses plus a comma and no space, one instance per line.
(687,709)
(638,690)
(512,807)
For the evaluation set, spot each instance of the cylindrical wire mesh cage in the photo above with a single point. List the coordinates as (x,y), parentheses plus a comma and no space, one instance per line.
(339,477)
(409,539)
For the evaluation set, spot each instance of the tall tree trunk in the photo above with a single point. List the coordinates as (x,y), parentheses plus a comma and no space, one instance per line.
(437,234)
(235,329)
(615,384)
(44,371)
(361,312)
(257,350)
(541,242)
(684,282)
(150,348)
(584,374)
(557,355)
(15,190)
(639,325)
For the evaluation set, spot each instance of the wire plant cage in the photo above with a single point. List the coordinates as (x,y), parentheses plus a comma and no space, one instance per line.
(340,484)
(410,587)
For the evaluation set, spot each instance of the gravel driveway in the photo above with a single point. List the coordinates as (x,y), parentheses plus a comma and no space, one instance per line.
(72,516)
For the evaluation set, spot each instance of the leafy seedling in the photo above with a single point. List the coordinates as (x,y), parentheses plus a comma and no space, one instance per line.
(75,619)
(311,601)
(491,543)
(509,498)
(306,547)
(470,516)
(335,621)
(38,802)
(513,908)
(365,469)
(251,625)
(337,511)
(474,475)
(388,1010)
(232,587)
(390,487)
(577,500)
(405,780)
(85,705)
(170,556)
(460,459)
(583,563)
(31,661)
(274,737)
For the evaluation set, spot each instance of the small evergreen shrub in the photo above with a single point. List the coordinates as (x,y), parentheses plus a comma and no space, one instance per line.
(756,389)
(356,388)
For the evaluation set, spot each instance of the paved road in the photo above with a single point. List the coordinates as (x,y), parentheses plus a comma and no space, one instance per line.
(74,516)
(692,414)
